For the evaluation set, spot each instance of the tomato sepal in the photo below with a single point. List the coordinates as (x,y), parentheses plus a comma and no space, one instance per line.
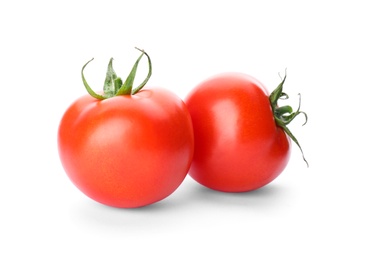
(113,85)
(112,82)
(88,88)
(285,114)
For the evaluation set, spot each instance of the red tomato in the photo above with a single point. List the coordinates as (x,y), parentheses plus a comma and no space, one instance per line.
(238,144)
(127,150)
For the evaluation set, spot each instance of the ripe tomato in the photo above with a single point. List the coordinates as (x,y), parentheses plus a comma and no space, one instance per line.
(241,139)
(127,150)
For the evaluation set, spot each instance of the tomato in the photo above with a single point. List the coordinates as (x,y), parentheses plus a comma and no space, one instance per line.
(241,139)
(127,150)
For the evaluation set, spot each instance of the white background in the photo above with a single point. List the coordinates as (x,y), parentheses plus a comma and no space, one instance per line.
(319,212)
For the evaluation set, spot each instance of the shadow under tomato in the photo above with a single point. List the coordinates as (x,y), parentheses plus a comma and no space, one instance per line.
(190,201)
(165,213)
(267,196)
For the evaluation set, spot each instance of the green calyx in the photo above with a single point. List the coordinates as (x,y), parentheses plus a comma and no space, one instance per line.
(285,114)
(113,85)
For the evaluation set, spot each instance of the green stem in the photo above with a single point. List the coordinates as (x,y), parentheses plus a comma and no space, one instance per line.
(284,115)
(113,85)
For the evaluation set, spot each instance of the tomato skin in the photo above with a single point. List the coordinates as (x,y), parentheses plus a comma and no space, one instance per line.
(127,151)
(238,146)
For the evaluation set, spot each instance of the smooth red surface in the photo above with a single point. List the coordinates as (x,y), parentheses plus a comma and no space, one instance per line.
(127,151)
(238,146)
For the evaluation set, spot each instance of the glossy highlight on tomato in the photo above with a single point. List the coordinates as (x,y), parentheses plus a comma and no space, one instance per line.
(239,146)
(126,150)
